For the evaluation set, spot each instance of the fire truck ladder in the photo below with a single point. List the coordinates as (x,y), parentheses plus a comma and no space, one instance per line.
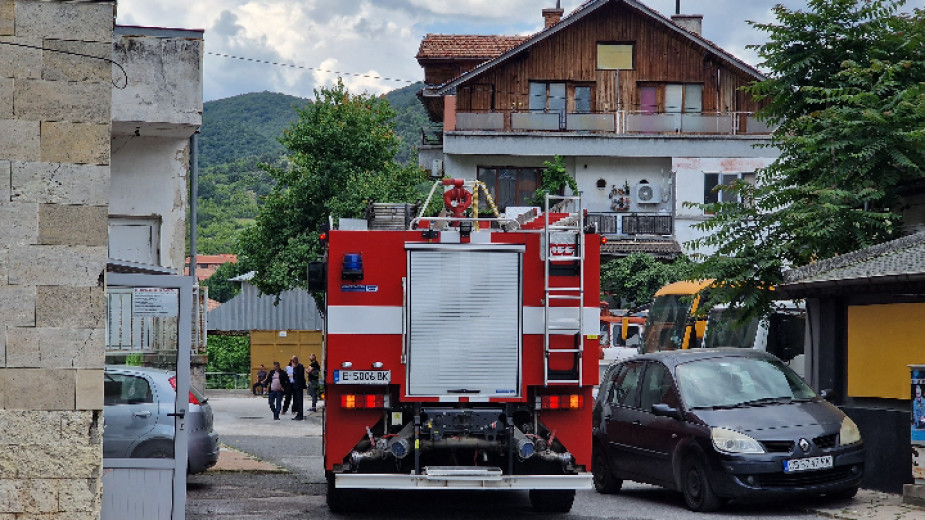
(567,318)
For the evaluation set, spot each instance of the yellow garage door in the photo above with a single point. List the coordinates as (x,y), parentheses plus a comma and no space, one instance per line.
(882,341)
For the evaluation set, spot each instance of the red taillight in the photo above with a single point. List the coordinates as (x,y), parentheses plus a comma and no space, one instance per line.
(364,401)
(192,398)
(603,240)
(560,402)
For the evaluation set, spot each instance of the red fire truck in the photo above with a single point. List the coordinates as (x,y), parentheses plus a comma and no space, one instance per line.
(461,353)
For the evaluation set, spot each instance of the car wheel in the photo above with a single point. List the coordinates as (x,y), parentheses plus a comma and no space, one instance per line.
(552,500)
(154,450)
(698,493)
(604,481)
(844,494)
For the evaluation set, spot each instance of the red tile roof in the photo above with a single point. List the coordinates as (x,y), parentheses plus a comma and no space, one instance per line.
(466,46)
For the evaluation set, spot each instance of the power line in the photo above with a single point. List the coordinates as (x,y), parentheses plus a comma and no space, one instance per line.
(125,74)
(293,66)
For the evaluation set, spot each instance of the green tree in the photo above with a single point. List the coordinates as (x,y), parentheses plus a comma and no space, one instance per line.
(229,354)
(553,180)
(220,289)
(847,93)
(633,280)
(341,156)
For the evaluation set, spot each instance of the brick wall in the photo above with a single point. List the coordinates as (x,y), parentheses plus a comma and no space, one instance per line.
(55,114)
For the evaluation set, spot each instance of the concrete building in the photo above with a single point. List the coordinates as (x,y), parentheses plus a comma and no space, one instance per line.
(55,170)
(95,127)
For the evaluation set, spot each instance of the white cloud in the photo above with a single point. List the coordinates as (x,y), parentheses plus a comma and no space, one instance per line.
(379,38)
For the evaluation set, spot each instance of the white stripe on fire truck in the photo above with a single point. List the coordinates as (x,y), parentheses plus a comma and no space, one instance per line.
(364,319)
(369,319)
(562,317)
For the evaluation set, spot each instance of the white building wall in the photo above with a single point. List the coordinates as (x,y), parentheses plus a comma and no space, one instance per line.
(149,178)
(689,178)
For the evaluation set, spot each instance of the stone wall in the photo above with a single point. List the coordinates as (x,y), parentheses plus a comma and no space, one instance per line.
(55,115)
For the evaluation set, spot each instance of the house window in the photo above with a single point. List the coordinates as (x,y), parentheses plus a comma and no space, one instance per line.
(713,183)
(671,98)
(582,100)
(508,186)
(613,56)
(547,97)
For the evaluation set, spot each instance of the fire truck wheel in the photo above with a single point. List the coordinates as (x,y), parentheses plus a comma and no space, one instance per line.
(604,481)
(339,500)
(552,500)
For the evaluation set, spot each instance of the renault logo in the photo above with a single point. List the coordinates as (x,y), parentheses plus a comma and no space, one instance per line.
(804,445)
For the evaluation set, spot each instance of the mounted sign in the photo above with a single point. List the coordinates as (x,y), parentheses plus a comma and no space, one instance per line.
(359,288)
(155,302)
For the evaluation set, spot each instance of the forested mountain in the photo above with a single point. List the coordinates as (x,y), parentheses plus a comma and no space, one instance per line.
(240,133)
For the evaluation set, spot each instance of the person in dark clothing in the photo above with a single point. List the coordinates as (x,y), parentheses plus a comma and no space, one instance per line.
(287,397)
(298,387)
(261,381)
(277,382)
(314,370)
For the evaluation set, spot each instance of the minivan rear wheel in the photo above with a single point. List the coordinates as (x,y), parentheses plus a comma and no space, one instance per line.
(698,493)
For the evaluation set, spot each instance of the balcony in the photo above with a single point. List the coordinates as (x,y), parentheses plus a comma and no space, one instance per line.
(632,224)
(620,122)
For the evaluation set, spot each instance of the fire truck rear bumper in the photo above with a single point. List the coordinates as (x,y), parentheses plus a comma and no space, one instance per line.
(450,477)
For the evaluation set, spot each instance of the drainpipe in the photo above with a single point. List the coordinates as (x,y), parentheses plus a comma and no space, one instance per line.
(194,200)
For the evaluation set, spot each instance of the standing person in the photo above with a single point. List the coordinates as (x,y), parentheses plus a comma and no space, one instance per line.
(288,396)
(314,370)
(298,387)
(261,380)
(277,382)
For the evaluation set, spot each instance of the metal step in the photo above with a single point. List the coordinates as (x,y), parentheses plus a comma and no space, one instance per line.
(563,350)
(461,471)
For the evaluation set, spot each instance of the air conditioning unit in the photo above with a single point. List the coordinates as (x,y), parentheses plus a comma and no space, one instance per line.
(646,193)
(436,168)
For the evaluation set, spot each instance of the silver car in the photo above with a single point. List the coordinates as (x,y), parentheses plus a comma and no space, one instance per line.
(137,401)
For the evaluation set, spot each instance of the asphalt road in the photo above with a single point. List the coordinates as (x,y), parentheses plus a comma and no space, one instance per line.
(246,424)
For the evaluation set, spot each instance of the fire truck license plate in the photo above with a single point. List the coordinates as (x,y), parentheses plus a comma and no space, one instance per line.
(809,464)
(363,377)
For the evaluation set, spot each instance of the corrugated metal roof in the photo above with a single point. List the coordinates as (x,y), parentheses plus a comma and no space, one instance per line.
(252,310)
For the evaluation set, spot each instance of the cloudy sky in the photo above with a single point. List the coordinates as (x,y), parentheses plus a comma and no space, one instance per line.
(372,43)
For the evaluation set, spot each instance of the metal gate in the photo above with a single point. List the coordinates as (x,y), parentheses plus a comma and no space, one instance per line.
(133,486)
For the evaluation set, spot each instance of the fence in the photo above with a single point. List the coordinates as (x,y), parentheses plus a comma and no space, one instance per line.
(227,380)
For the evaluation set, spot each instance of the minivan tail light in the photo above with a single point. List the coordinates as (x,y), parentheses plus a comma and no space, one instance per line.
(192,398)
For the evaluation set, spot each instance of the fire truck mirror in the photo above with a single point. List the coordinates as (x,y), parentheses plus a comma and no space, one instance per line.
(317,277)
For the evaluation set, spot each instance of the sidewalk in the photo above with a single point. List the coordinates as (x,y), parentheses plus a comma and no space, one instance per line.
(873,505)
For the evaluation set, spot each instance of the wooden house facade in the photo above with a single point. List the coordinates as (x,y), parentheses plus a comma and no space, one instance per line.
(636,102)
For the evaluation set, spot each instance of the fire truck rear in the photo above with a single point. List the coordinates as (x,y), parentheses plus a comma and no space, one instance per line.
(461,353)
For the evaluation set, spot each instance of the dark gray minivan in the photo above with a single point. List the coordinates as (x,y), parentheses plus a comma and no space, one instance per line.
(720,424)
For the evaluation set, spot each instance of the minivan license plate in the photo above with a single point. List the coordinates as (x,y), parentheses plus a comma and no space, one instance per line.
(808,464)
(363,377)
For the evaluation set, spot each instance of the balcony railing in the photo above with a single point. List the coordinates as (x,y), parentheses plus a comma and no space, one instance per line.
(620,122)
(632,224)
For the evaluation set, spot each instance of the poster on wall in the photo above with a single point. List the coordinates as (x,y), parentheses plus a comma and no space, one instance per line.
(918,422)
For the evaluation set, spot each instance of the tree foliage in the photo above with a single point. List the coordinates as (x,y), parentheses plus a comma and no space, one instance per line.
(632,281)
(341,156)
(846,93)
(553,180)
(220,288)
(229,354)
